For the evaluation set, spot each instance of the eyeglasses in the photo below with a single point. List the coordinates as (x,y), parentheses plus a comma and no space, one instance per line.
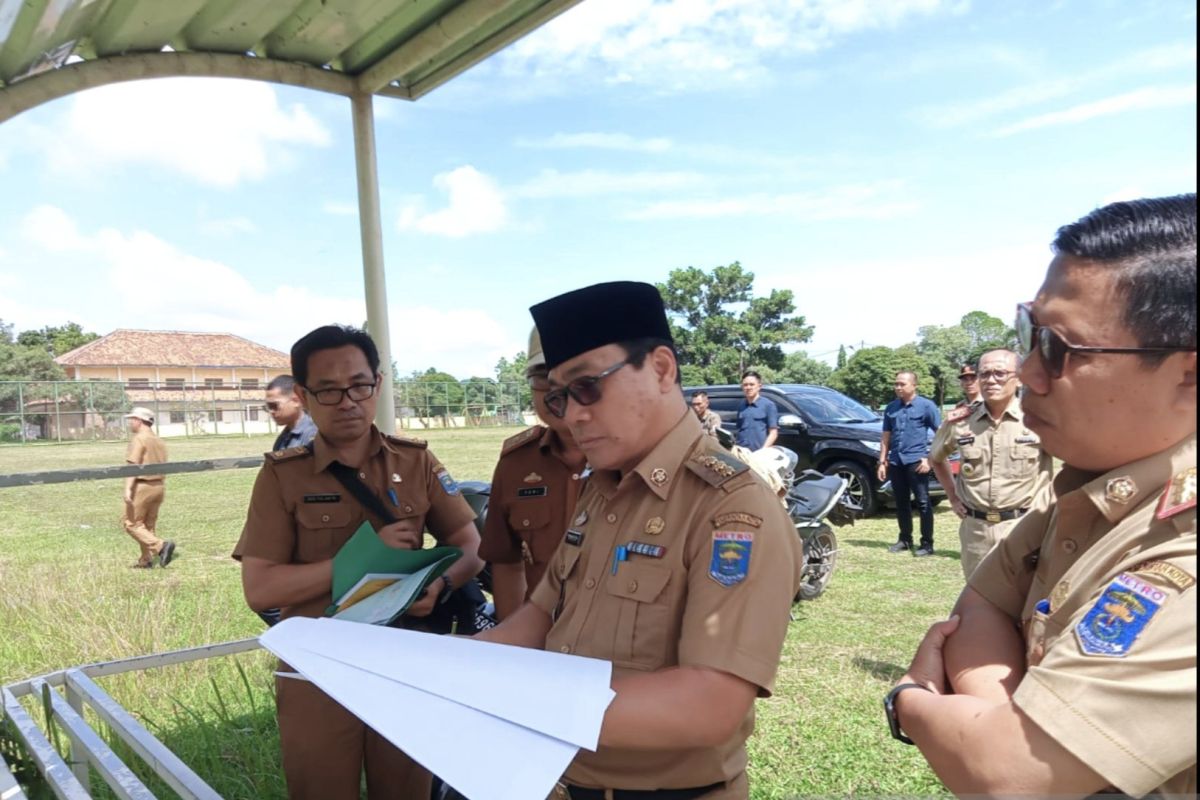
(997,375)
(332,397)
(585,391)
(1053,348)
(969,378)
(271,406)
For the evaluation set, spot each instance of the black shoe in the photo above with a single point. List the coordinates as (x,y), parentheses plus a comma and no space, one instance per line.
(166,554)
(140,565)
(899,547)
(923,550)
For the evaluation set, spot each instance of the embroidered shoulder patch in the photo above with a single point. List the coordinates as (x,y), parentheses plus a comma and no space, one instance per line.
(1179,496)
(447,482)
(521,439)
(1119,616)
(737,516)
(1177,577)
(408,441)
(730,557)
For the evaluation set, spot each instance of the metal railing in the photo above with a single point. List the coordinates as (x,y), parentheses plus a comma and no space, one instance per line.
(32,411)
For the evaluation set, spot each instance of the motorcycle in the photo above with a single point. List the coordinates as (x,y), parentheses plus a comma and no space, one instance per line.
(813,500)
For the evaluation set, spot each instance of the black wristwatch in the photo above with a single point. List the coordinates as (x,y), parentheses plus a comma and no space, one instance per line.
(889,708)
(447,589)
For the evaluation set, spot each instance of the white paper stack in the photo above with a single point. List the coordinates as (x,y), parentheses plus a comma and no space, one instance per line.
(495,722)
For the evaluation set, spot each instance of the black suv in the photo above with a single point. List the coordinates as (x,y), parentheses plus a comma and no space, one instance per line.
(827,430)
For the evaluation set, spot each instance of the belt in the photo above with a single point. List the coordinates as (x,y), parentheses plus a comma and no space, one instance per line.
(997,516)
(569,792)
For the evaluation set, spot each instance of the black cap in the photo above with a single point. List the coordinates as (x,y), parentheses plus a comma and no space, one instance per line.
(595,316)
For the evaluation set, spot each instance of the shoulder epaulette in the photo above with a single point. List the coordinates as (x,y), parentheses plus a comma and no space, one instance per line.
(958,414)
(1179,496)
(288,454)
(716,466)
(407,441)
(521,439)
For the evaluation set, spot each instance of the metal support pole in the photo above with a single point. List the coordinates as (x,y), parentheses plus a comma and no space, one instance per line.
(371,229)
(78,753)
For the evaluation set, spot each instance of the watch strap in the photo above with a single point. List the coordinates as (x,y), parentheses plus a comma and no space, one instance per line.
(889,708)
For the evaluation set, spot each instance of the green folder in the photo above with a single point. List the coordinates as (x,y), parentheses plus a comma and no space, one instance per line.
(365,553)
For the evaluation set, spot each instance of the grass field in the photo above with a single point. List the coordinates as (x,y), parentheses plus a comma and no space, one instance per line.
(69,597)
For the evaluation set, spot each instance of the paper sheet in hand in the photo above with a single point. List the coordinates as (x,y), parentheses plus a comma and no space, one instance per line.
(392,601)
(365,552)
(499,710)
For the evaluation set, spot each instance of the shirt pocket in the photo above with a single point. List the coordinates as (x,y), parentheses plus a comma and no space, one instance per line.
(1023,459)
(317,529)
(530,520)
(642,638)
(971,459)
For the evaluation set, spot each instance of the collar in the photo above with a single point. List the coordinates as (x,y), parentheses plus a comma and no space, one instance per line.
(1012,410)
(662,465)
(549,442)
(1136,482)
(324,453)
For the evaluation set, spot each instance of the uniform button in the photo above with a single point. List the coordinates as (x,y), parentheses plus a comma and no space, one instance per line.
(633,586)
(589,583)
(408,509)
(324,518)
(575,476)
(564,649)
(611,518)
(525,522)
(1069,546)
(362,476)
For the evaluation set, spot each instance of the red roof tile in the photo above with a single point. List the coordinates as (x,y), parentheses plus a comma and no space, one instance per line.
(130,348)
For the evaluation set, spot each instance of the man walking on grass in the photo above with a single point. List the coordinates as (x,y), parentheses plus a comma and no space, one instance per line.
(144,493)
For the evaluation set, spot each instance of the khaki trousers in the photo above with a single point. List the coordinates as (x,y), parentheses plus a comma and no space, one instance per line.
(141,517)
(977,537)
(325,748)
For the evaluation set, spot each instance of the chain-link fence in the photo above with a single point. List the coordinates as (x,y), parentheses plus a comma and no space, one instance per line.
(33,411)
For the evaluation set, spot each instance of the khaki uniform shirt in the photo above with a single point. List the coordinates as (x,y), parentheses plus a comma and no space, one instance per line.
(146,448)
(531,504)
(300,514)
(1002,466)
(718,596)
(711,421)
(1112,649)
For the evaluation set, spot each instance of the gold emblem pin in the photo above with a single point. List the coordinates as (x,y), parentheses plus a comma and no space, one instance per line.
(655,526)
(1059,595)
(532,477)
(582,518)
(1120,490)
(659,476)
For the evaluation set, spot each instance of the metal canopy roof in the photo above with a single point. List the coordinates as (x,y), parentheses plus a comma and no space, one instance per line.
(397,48)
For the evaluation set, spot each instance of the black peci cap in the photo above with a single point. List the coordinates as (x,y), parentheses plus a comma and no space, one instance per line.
(595,316)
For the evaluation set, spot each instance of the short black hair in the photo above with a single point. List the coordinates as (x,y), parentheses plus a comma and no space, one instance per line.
(1149,245)
(752,374)
(636,351)
(284,383)
(327,337)
(699,393)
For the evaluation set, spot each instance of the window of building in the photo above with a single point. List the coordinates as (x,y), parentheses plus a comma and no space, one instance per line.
(137,383)
(213,383)
(249,383)
(175,383)
(252,413)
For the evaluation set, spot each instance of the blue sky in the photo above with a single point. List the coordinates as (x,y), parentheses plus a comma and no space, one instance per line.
(895,163)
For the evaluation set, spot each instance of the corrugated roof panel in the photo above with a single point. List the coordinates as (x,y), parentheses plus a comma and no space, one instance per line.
(411,18)
(132,26)
(318,32)
(509,16)
(39,27)
(236,26)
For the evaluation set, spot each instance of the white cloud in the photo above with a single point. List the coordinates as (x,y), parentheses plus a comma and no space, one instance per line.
(176,290)
(218,132)
(475,204)
(1147,98)
(600,141)
(1154,59)
(692,44)
(873,201)
(589,183)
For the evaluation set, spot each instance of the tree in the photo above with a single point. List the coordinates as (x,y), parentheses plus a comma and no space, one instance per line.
(433,394)
(946,349)
(57,339)
(799,368)
(841,356)
(716,343)
(480,396)
(870,374)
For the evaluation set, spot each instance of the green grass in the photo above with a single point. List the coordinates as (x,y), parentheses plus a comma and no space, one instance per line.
(69,598)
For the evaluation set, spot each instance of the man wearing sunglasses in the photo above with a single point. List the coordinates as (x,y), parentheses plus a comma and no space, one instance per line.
(283,404)
(1069,665)
(1002,466)
(534,489)
(679,566)
(300,515)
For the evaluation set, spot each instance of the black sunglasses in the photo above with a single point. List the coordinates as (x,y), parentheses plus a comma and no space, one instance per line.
(585,391)
(1053,349)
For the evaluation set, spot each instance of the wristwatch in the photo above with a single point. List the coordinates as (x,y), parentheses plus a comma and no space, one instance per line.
(889,708)
(447,589)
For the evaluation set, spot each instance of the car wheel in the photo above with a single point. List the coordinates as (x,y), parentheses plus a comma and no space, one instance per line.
(859,487)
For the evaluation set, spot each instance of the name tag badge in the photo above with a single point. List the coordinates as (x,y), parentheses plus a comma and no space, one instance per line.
(532,491)
(574,537)
(332,497)
(966,439)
